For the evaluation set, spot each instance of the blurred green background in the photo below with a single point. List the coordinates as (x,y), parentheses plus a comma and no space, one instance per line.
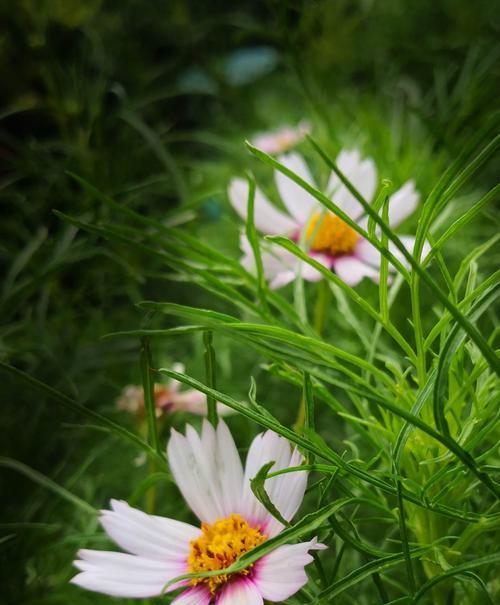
(151,102)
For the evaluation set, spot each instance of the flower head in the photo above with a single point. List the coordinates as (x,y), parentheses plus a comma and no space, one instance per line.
(330,241)
(210,476)
(282,139)
(168,398)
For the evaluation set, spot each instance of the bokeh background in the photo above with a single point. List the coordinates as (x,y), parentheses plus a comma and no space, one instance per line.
(151,103)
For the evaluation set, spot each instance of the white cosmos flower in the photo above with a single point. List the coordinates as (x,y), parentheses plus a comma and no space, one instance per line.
(210,476)
(282,139)
(168,399)
(334,243)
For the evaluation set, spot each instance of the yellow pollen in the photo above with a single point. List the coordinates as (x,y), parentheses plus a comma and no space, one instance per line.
(219,546)
(333,235)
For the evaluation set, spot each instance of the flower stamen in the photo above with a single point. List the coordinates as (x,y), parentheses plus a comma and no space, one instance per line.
(219,546)
(332,235)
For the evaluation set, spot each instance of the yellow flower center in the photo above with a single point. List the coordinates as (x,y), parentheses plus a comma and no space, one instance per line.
(332,235)
(219,546)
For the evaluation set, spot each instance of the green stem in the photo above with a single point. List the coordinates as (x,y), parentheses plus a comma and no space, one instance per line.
(150,405)
(211,376)
(321,306)
(305,407)
(149,398)
(417,326)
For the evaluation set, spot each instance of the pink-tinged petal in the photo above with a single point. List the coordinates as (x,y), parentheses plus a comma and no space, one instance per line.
(299,203)
(282,267)
(352,270)
(361,173)
(207,470)
(369,254)
(239,592)
(285,491)
(309,273)
(147,535)
(267,218)
(124,575)
(189,401)
(281,573)
(282,139)
(403,203)
(198,595)
(282,279)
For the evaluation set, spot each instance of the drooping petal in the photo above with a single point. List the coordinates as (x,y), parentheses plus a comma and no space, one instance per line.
(352,270)
(299,203)
(309,273)
(281,267)
(403,203)
(285,491)
(369,254)
(207,470)
(281,573)
(267,218)
(198,595)
(361,173)
(124,575)
(240,592)
(148,535)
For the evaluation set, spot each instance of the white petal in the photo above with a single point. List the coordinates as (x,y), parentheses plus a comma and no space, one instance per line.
(198,595)
(208,471)
(173,384)
(352,270)
(267,218)
(361,173)
(403,203)
(285,491)
(299,203)
(281,573)
(408,242)
(240,592)
(230,469)
(147,535)
(367,252)
(124,575)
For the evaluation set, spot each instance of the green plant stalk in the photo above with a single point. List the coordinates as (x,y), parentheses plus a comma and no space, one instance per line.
(210,372)
(252,236)
(320,310)
(150,405)
(321,307)
(384,268)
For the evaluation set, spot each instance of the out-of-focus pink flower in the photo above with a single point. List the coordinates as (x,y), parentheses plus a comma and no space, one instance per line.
(168,398)
(208,471)
(282,139)
(329,240)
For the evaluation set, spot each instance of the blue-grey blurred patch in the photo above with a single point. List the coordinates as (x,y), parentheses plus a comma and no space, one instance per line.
(248,64)
(212,209)
(197,80)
